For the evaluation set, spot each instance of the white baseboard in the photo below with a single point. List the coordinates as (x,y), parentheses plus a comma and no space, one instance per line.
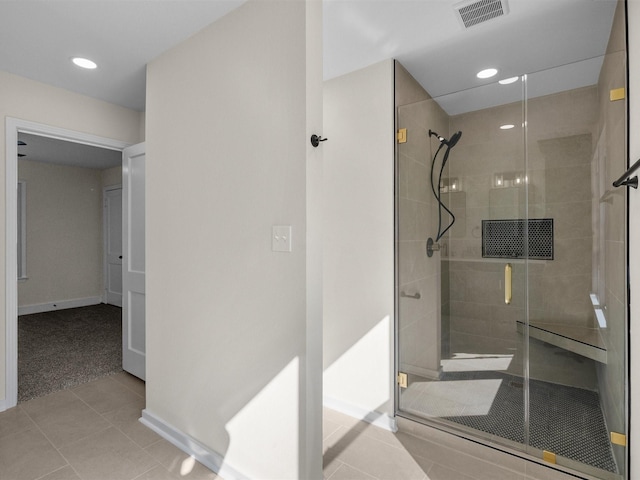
(378,419)
(3,405)
(61,305)
(209,458)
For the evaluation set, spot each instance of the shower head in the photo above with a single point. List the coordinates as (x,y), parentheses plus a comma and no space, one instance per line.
(454,139)
(449,143)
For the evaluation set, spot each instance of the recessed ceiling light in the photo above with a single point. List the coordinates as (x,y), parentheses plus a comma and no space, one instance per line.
(507,126)
(84,63)
(487,73)
(507,81)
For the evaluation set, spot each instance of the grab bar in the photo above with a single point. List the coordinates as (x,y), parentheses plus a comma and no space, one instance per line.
(416,295)
(624,180)
(507,284)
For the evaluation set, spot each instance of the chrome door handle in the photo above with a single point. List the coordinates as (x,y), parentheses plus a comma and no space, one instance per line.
(507,283)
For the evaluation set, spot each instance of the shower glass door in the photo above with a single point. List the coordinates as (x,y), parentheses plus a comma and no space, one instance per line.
(512,329)
(459,308)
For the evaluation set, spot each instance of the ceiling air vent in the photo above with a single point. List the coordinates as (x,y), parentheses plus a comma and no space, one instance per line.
(475,12)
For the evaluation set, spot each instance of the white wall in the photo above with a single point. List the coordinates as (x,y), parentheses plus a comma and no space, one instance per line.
(358,242)
(227,134)
(29,100)
(633,25)
(111,176)
(64,233)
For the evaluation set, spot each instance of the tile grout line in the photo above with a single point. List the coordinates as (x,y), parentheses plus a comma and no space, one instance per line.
(112,425)
(152,468)
(54,447)
(334,472)
(103,415)
(356,469)
(57,470)
(127,386)
(474,457)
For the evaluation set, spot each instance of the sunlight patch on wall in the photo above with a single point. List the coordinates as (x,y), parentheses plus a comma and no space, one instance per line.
(361,376)
(264,435)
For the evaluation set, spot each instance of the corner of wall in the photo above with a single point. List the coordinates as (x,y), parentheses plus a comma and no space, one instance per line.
(143,126)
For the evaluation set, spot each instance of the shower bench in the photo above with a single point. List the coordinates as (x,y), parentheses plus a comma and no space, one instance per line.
(584,341)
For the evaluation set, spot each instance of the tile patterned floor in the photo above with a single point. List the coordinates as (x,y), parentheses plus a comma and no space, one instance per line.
(357,450)
(91,432)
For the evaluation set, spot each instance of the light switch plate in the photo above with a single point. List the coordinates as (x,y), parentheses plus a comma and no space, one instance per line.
(281,238)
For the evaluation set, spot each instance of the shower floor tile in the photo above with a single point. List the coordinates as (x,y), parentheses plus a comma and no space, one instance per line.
(565,420)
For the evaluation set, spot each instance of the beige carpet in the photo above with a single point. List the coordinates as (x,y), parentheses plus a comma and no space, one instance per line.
(64,348)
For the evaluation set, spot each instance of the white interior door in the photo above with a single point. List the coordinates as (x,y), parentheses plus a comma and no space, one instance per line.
(113,245)
(133,262)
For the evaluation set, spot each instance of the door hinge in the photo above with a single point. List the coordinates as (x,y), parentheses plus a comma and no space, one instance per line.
(402,135)
(617,94)
(619,439)
(548,456)
(403,380)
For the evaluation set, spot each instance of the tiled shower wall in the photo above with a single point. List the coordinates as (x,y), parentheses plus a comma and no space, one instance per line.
(559,149)
(480,322)
(561,132)
(419,318)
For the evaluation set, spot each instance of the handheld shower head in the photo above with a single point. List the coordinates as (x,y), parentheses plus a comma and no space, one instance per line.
(449,143)
(454,139)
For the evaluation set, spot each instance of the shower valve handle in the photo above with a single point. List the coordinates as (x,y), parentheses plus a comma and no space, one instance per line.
(432,247)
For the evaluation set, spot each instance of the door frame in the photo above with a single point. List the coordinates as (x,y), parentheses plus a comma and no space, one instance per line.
(105,238)
(14,126)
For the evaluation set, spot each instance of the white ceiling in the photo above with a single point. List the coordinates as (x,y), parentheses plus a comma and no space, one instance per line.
(429,40)
(38,37)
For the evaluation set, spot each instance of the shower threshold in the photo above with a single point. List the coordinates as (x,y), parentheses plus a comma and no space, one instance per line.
(583,341)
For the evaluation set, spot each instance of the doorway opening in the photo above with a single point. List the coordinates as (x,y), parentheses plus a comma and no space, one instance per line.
(14,129)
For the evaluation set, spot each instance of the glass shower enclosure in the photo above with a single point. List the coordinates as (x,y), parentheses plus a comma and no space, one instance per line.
(512,327)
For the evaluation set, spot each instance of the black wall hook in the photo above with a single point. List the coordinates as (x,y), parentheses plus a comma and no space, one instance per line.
(316,139)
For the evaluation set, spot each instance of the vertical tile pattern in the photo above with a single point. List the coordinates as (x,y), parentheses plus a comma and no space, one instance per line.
(560,147)
(419,319)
